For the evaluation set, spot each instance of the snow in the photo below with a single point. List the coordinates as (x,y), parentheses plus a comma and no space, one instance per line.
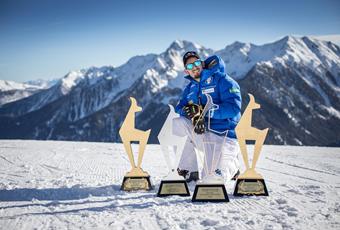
(91,75)
(157,81)
(70,80)
(332,111)
(4,99)
(334,38)
(29,85)
(72,185)
(11,85)
(241,57)
(165,71)
(13,91)
(43,83)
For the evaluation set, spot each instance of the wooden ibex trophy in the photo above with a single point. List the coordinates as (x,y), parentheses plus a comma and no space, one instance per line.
(172,148)
(250,182)
(136,179)
(211,187)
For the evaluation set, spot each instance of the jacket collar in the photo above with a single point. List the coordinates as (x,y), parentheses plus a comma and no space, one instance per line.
(188,77)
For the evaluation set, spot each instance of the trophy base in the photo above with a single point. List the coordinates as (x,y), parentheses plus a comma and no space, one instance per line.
(173,187)
(210,193)
(250,187)
(136,183)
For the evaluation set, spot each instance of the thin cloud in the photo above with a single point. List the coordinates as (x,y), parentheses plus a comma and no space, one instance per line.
(335,38)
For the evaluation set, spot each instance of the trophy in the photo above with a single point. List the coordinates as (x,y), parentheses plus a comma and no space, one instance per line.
(250,182)
(136,179)
(172,147)
(211,187)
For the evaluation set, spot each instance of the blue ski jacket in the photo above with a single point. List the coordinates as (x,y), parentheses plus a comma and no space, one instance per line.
(225,92)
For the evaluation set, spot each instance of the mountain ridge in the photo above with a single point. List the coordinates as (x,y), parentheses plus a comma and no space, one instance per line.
(282,74)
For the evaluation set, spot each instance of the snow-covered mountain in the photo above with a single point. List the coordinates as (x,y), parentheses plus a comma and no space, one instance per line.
(11,85)
(296,80)
(13,91)
(240,58)
(42,82)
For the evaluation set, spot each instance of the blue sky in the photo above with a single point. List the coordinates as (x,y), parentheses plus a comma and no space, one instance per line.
(48,38)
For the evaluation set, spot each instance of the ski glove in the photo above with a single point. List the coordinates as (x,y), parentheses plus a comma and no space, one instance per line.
(192,110)
(198,123)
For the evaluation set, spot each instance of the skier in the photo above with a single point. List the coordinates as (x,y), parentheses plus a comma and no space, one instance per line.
(208,77)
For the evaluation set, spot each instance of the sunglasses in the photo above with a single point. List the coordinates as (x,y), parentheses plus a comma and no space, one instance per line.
(196,63)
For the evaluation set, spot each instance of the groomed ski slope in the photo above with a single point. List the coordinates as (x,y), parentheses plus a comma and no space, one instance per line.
(75,185)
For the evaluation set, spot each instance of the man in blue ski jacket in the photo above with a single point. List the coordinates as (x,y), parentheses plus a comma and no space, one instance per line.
(208,77)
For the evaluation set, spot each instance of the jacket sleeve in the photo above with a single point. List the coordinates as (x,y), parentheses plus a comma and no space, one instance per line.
(230,95)
(183,101)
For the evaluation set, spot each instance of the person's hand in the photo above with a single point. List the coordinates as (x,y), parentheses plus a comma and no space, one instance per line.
(192,110)
(198,123)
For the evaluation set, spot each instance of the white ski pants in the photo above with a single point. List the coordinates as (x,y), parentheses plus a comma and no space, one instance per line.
(212,151)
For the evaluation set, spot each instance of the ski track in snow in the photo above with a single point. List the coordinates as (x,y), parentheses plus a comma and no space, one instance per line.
(72,185)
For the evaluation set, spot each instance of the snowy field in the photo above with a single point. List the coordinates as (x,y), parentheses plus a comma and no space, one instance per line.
(75,185)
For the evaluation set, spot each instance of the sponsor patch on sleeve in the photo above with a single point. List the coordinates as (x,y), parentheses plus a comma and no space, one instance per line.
(234,90)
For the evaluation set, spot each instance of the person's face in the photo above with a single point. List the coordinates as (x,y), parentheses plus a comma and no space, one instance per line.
(195,72)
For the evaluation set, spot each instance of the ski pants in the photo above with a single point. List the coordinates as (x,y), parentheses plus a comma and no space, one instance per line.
(207,152)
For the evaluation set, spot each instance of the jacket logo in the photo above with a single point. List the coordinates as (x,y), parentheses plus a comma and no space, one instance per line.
(208,81)
(209,90)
